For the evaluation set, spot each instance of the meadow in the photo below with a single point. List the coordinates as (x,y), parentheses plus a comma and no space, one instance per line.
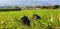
(11,19)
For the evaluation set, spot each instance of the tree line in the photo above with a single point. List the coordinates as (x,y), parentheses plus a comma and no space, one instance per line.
(43,7)
(49,7)
(30,7)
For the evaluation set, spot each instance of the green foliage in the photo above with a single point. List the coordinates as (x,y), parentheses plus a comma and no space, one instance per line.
(10,9)
(11,19)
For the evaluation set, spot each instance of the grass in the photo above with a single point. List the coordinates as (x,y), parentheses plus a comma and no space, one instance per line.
(11,19)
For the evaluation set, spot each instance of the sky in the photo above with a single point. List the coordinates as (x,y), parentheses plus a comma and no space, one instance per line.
(28,2)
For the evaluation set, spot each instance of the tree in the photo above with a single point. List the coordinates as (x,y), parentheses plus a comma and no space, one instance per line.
(17,7)
(55,6)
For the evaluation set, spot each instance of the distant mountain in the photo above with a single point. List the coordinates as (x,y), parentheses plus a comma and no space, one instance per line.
(5,6)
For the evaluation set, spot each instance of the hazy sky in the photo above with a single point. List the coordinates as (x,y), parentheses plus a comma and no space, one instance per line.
(28,2)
